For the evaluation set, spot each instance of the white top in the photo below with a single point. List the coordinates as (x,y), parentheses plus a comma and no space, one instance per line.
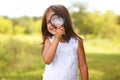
(65,63)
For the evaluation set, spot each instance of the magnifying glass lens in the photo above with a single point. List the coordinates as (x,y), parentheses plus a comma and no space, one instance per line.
(57,20)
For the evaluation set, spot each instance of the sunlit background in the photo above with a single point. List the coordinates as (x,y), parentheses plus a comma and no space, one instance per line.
(17,8)
(96,21)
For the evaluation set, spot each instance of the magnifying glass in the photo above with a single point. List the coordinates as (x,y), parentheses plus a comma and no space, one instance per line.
(57,20)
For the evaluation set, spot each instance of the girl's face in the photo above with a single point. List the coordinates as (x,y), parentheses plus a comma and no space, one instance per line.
(50,28)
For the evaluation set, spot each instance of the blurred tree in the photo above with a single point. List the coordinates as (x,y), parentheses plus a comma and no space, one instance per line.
(21,25)
(14,23)
(99,24)
(110,25)
(37,25)
(25,24)
(118,19)
(94,22)
(78,14)
(5,25)
(103,25)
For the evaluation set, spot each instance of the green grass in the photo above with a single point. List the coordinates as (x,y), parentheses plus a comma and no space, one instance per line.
(20,58)
(98,45)
(104,66)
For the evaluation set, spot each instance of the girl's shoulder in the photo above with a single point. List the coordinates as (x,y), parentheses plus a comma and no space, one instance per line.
(73,39)
(80,42)
(47,41)
(78,39)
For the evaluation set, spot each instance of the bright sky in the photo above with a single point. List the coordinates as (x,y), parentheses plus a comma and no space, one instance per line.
(103,5)
(16,8)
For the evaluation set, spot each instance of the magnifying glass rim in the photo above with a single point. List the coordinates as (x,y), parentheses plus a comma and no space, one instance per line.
(58,16)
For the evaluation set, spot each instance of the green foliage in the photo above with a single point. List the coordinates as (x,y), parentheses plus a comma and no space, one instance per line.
(118,19)
(78,17)
(5,25)
(21,25)
(109,27)
(104,25)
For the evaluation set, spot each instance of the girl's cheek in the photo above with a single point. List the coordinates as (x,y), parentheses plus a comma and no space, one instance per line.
(49,26)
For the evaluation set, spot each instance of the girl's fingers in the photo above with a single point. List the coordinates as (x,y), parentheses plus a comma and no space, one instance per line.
(61,30)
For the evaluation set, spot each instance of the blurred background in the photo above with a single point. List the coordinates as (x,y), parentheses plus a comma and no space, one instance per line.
(96,21)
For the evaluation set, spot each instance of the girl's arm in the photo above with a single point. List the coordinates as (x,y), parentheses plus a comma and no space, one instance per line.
(82,61)
(50,50)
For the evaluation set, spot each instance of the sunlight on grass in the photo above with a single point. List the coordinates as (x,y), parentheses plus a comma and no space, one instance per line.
(2,64)
(101,46)
(28,38)
(23,38)
(29,73)
(94,74)
(32,73)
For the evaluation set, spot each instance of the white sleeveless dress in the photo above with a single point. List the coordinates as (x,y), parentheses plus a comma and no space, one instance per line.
(65,63)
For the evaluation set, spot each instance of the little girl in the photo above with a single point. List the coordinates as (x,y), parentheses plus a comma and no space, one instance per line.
(63,51)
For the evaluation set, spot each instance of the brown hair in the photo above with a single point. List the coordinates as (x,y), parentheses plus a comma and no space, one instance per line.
(68,24)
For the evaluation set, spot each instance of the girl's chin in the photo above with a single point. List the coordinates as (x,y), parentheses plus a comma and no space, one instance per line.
(53,33)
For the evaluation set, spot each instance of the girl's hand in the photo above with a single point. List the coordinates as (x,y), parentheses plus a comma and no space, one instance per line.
(59,32)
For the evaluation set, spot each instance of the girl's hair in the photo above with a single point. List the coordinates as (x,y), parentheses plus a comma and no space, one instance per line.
(68,24)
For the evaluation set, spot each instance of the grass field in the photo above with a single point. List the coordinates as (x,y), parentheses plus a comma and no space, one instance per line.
(20,58)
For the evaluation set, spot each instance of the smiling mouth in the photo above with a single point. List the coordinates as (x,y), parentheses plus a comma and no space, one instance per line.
(53,29)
